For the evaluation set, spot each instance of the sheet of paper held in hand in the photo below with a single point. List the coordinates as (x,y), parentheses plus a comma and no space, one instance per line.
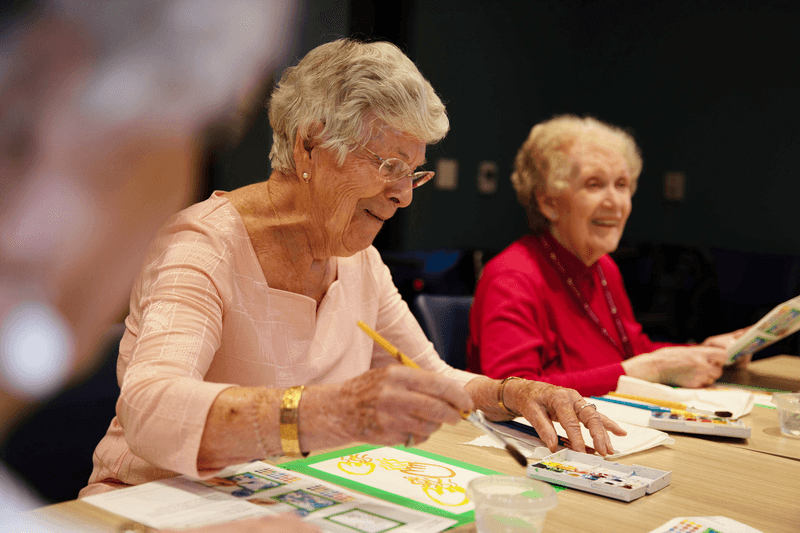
(777,324)
(258,489)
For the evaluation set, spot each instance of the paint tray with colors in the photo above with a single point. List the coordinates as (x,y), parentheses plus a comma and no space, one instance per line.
(686,422)
(592,473)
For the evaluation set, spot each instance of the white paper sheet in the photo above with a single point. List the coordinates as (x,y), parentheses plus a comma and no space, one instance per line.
(259,489)
(637,439)
(738,402)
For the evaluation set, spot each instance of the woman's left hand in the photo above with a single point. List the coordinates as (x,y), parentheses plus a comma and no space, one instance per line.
(542,404)
(724,340)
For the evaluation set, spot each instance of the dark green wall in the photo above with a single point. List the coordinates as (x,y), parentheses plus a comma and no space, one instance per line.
(708,88)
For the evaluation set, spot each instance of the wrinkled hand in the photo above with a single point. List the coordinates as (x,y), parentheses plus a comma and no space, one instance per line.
(724,340)
(265,524)
(385,405)
(542,404)
(684,366)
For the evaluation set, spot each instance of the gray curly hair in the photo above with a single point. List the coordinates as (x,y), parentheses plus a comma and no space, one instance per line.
(544,160)
(340,89)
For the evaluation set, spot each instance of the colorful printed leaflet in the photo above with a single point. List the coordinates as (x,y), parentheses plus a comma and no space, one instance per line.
(783,320)
(258,489)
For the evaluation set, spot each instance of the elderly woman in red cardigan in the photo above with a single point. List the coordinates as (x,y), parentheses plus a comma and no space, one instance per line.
(552,306)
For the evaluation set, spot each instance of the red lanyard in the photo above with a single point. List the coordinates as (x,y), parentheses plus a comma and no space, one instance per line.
(582,302)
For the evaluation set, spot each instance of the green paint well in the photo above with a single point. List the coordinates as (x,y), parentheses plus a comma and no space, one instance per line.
(532,494)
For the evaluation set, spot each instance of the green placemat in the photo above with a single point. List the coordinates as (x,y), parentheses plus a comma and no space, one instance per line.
(304,466)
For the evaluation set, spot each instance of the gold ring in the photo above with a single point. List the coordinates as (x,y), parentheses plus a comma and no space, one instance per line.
(410,440)
(584,406)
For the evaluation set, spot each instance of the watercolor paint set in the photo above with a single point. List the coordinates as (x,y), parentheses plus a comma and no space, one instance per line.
(686,422)
(592,473)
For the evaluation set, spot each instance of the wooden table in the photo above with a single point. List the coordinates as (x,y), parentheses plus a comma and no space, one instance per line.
(709,478)
(755,482)
(779,372)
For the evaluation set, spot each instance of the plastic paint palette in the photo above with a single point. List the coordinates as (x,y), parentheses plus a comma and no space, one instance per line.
(591,473)
(685,422)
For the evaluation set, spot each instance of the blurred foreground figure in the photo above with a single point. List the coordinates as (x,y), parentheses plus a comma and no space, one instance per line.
(102,110)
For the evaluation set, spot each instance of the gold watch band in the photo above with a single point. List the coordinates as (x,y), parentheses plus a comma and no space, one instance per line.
(290,442)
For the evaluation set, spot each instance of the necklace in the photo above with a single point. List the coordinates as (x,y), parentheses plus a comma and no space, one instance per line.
(583,303)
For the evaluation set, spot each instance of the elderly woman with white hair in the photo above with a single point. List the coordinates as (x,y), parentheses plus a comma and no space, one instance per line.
(242,339)
(552,306)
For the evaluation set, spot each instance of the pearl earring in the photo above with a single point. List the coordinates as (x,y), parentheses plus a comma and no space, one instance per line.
(306,177)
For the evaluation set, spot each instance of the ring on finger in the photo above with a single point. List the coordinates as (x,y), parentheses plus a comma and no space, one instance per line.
(584,406)
(410,441)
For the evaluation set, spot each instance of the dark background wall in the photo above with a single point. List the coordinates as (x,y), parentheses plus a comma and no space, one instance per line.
(708,88)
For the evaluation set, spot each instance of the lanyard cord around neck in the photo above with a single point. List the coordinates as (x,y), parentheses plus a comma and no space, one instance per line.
(583,303)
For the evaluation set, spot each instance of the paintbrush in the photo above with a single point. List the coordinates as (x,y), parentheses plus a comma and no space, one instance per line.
(473,417)
(670,405)
(529,430)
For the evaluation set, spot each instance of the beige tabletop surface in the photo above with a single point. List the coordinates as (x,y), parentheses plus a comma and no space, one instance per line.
(754,481)
(780,372)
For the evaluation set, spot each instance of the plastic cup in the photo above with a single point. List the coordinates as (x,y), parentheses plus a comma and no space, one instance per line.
(788,411)
(510,504)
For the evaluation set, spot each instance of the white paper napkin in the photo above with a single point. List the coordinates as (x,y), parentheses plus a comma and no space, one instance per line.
(637,439)
(738,402)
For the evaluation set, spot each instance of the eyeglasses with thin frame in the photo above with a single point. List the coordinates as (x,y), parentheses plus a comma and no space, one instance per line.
(393,169)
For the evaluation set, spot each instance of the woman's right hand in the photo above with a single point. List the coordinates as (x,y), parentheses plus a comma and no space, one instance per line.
(684,366)
(386,405)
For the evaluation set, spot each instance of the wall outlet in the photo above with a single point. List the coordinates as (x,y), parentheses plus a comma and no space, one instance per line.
(446,176)
(674,186)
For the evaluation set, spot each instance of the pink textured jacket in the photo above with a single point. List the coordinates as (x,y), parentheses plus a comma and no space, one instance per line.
(202,319)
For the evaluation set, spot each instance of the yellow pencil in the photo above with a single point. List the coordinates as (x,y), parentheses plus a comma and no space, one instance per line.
(386,345)
(471,416)
(654,401)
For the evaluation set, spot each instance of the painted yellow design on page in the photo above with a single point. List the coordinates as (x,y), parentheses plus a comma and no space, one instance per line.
(432,479)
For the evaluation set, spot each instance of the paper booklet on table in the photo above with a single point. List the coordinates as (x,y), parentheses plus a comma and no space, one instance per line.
(777,324)
(259,489)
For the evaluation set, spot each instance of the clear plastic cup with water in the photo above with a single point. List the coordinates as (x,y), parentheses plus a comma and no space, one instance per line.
(510,504)
(788,404)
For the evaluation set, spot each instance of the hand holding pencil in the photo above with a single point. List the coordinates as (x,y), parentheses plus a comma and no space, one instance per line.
(395,404)
(539,403)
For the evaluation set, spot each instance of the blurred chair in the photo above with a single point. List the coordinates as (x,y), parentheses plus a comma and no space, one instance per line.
(52,448)
(440,271)
(674,289)
(445,320)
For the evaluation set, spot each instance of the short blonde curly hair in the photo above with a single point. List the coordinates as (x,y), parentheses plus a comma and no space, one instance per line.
(544,160)
(338,91)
